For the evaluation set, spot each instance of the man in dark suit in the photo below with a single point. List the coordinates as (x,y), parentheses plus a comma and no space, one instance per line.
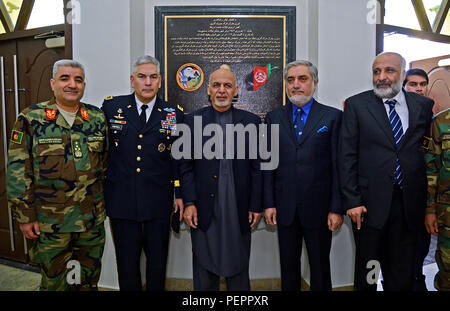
(302,196)
(141,176)
(222,191)
(382,174)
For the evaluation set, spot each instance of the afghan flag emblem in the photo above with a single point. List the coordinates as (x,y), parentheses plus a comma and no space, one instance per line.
(16,137)
(261,75)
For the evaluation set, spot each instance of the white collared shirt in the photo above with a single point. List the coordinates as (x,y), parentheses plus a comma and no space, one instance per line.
(401,107)
(150,105)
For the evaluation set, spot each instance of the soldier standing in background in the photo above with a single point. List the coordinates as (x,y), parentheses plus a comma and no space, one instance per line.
(55,181)
(437,217)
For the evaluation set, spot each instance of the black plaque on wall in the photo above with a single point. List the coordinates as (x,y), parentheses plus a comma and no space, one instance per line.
(255,42)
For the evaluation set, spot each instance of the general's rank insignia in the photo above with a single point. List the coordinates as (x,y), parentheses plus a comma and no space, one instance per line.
(77,149)
(50,114)
(109,97)
(16,137)
(84,114)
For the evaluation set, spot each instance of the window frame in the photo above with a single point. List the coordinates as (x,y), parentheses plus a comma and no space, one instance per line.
(427,32)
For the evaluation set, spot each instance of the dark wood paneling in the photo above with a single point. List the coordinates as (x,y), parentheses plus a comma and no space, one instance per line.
(35,67)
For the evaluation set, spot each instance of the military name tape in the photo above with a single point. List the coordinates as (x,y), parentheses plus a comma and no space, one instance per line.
(96,138)
(51,140)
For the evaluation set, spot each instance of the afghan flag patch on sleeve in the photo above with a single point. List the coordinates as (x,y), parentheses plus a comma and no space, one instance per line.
(16,137)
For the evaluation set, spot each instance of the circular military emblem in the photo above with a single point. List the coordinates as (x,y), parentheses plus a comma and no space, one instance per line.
(161,147)
(190,77)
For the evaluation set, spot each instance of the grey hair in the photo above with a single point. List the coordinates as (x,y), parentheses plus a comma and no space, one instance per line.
(66,63)
(311,68)
(146,59)
(402,59)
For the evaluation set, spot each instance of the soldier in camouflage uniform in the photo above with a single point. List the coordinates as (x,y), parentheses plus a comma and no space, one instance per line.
(437,218)
(55,182)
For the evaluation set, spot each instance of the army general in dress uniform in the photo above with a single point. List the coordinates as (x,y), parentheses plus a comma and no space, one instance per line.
(437,218)
(141,176)
(55,181)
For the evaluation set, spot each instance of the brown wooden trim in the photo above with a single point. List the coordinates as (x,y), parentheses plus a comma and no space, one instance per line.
(67,33)
(24,15)
(421,15)
(431,36)
(441,16)
(30,32)
(5,18)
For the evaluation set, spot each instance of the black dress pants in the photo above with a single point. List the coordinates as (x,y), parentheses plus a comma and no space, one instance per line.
(130,237)
(318,245)
(423,247)
(393,247)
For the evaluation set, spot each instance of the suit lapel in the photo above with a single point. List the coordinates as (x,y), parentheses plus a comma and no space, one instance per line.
(376,108)
(286,121)
(130,112)
(414,113)
(315,115)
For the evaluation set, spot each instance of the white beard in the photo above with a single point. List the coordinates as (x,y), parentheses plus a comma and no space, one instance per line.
(222,104)
(300,100)
(389,92)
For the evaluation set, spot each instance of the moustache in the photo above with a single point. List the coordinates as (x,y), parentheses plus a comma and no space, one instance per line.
(383,83)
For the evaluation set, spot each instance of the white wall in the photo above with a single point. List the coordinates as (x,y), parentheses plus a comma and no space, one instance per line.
(101,42)
(346,49)
(332,34)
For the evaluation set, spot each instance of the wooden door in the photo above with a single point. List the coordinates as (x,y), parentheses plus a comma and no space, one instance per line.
(27,64)
(439,85)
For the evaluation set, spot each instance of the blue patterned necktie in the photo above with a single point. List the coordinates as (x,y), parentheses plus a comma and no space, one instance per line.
(299,124)
(397,129)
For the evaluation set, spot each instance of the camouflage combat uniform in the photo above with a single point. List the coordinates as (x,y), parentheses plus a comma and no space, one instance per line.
(55,176)
(438,171)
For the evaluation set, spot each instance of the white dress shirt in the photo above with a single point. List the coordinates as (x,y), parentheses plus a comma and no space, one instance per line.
(150,105)
(401,107)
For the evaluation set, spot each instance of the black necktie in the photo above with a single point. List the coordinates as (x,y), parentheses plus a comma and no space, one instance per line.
(143,116)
